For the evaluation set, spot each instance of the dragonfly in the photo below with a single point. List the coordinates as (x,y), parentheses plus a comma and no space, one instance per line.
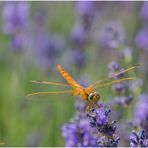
(88,94)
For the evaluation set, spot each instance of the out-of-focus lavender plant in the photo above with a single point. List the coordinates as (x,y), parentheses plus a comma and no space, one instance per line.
(47,48)
(141,113)
(122,97)
(16,19)
(81,32)
(142,38)
(111,36)
(144,11)
(142,35)
(125,93)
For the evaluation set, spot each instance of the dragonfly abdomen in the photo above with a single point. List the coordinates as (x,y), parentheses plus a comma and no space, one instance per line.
(67,77)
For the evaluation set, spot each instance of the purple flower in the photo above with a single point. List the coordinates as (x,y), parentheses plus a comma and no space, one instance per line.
(138,139)
(48,49)
(79,133)
(85,8)
(15,16)
(123,101)
(18,41)
(144,11)
(79,36)
(123,96)
(114,66)
(108,142)
(81,32)
(77,57)
(99,119)
(111,36)
(141,112)
(142,39)
(119,88)
(78,130)
(88,129)
(100,116)
(115,72)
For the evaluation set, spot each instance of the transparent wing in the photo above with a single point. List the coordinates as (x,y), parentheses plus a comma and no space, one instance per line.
(113,75)
(50,83)
(47,93)
(114,82)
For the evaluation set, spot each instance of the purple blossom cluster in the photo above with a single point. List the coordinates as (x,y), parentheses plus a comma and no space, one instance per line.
(46,46)
(142,36)
(90,129)
(78,131)
(111,36)
(48,49)
(81,32)
(122,89)
(141,113)
(16,18)
(138,139)
(100,120)
(144,10)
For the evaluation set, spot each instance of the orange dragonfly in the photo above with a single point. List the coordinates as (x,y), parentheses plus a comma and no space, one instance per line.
(88,94)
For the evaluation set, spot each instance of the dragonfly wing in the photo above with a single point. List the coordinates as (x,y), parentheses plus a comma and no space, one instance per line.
(114,82)
(47,93)
(50,83)
(112,76)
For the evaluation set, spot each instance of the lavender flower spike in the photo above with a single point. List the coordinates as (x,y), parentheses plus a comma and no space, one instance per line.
(138,139)
(78,132)
(99,119)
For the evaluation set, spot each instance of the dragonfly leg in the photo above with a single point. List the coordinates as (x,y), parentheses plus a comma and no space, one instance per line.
(89,107)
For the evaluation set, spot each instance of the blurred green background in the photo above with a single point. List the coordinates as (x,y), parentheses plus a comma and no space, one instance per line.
(37,121)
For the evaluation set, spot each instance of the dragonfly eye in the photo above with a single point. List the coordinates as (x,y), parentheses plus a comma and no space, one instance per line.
(90,97)
(94,97)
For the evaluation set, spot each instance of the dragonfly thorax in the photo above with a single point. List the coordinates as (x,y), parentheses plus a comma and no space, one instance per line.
(94,97)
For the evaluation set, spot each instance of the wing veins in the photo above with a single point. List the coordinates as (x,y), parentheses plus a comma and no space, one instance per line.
(113,75)
(47,93)
(114,82)
(50,83)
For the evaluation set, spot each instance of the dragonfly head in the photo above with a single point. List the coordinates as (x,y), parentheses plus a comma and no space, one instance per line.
(94,97)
